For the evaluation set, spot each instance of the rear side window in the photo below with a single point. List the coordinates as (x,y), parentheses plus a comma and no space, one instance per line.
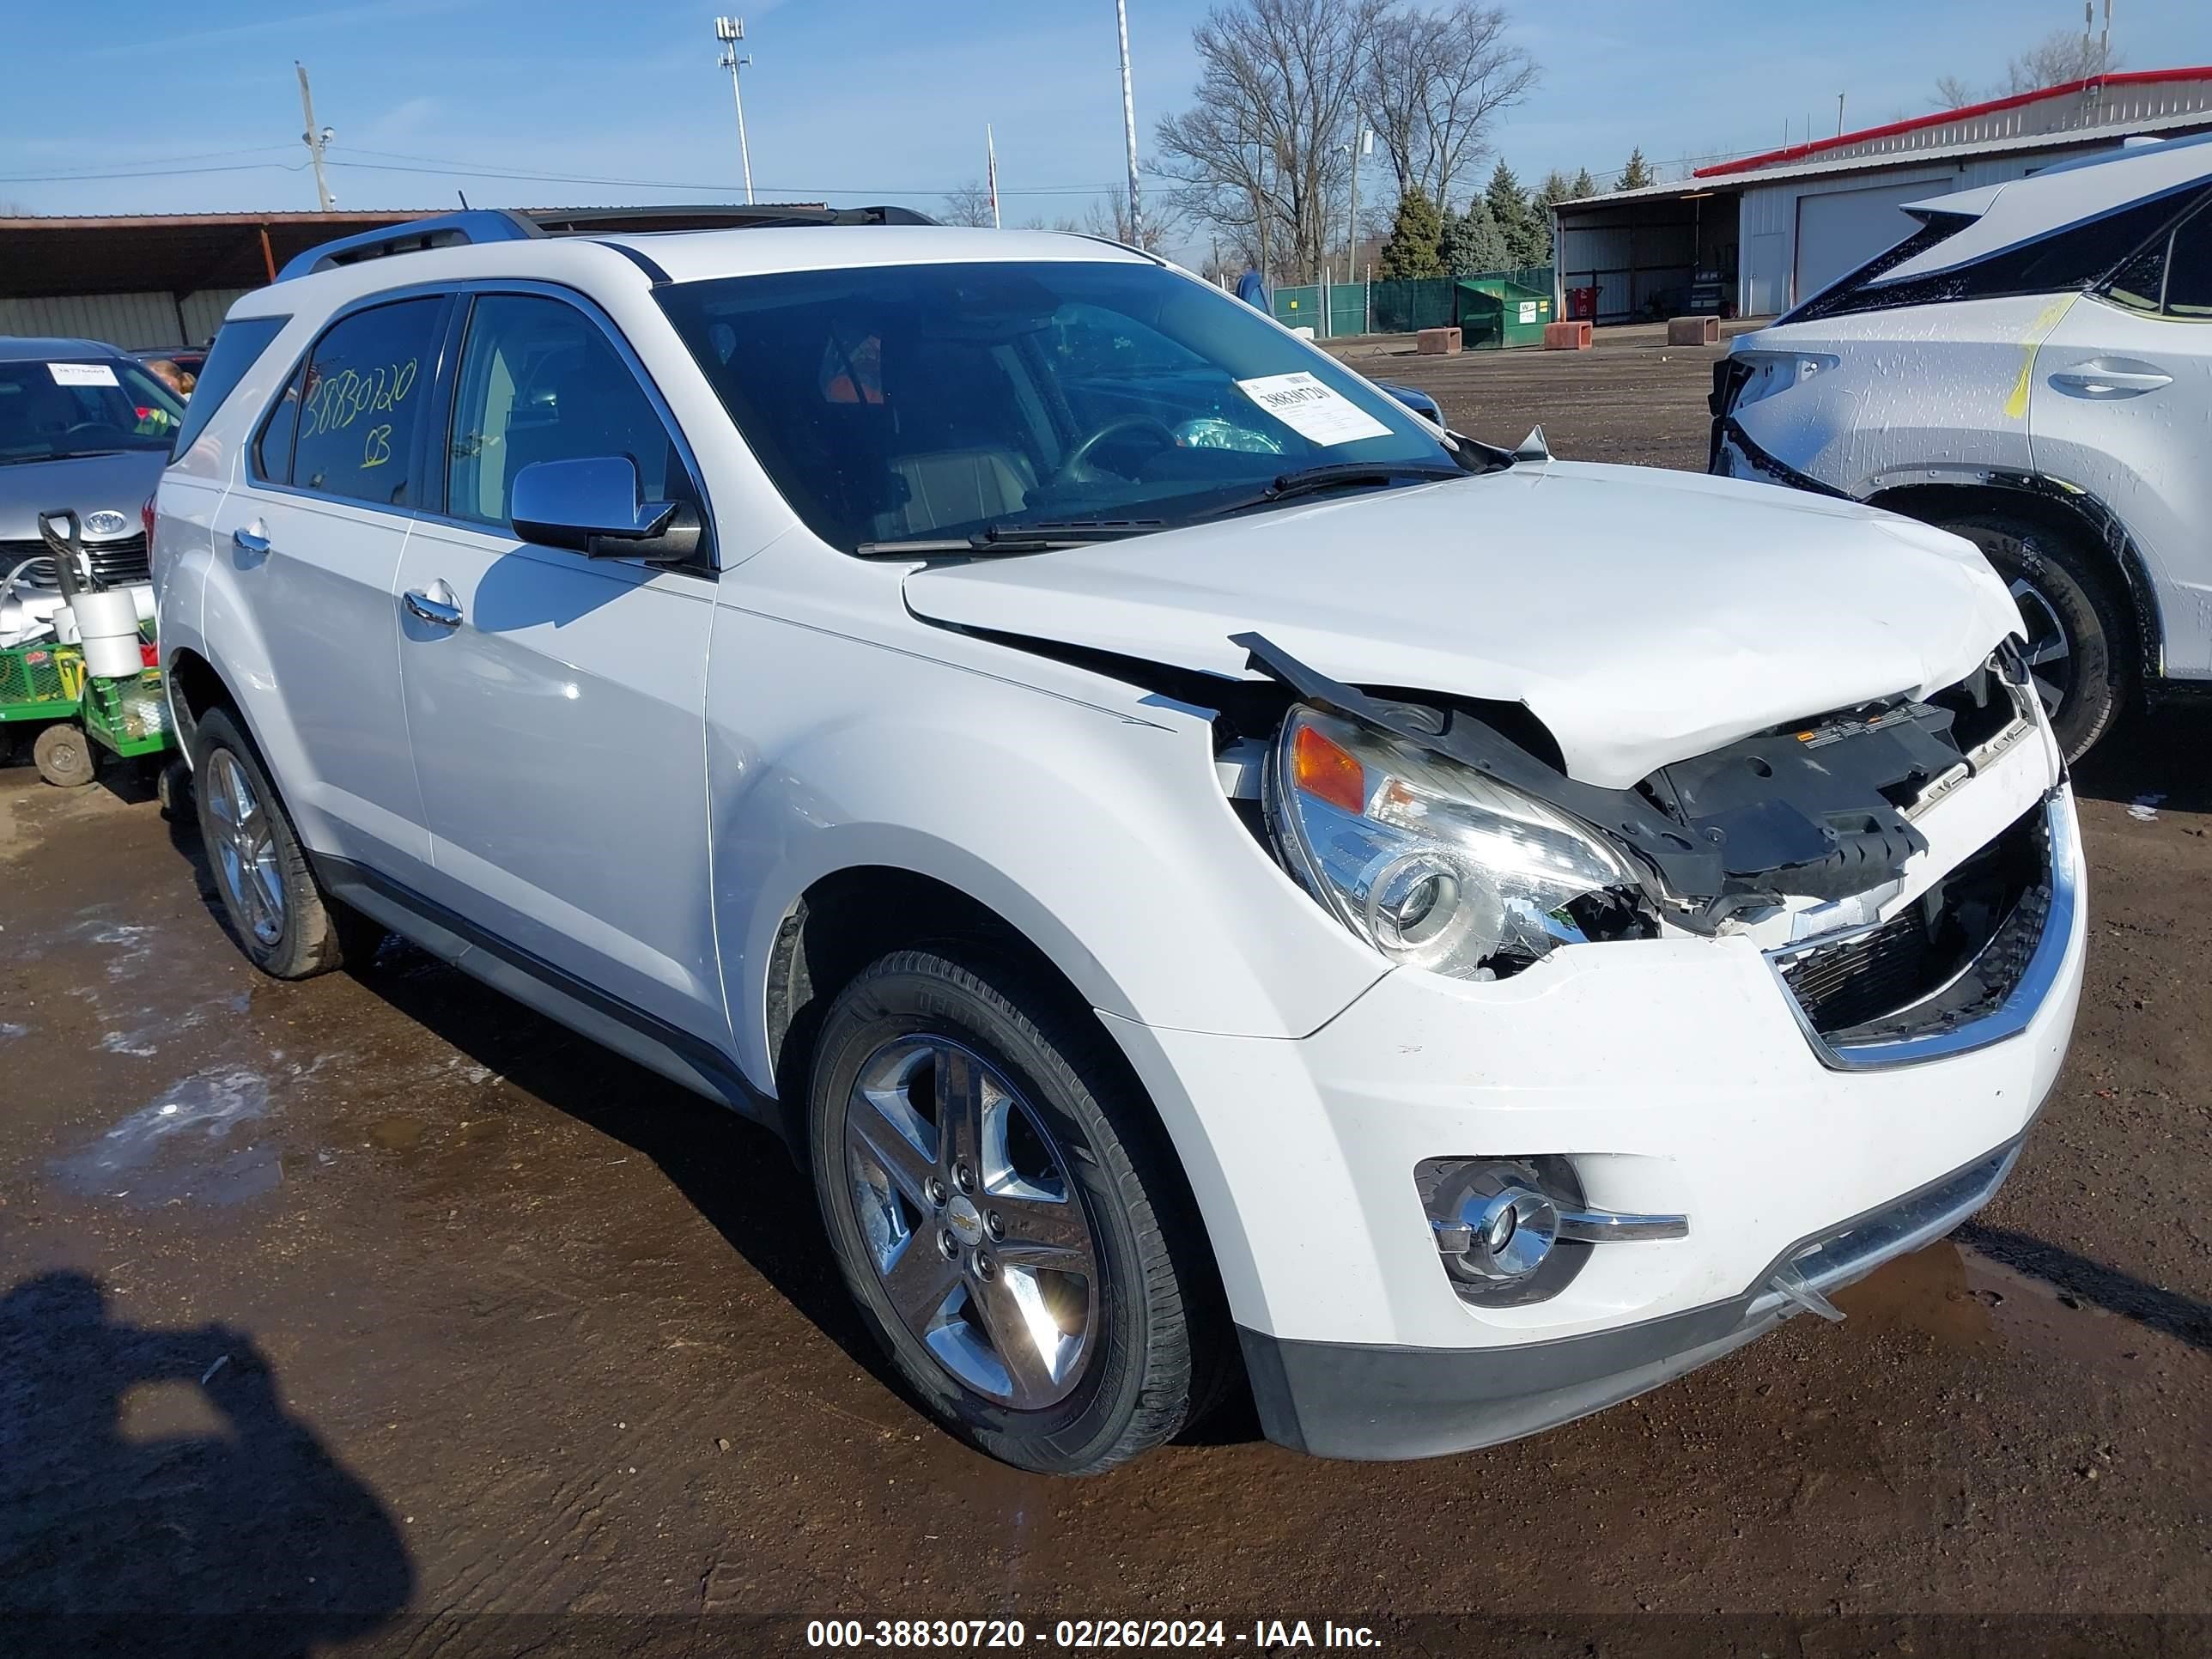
(366,382)
(238,347)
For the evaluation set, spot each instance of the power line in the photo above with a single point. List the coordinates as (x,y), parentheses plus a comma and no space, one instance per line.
(171,173)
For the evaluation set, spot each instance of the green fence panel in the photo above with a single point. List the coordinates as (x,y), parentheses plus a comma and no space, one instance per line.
(1347,309)
(1299,307)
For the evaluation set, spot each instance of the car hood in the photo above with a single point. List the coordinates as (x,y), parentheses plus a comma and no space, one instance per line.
(88,483)
(1642,616)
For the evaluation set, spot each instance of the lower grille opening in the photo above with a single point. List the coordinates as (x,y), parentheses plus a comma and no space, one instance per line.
(1954,956)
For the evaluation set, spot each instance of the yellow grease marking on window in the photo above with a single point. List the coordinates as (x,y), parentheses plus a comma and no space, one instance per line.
(338,400)
(2015,407)
(378,450)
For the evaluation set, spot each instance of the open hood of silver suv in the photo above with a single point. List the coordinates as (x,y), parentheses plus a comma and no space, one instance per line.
(1644,616)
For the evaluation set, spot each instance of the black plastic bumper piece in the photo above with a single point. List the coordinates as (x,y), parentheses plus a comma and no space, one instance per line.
(1351,1400)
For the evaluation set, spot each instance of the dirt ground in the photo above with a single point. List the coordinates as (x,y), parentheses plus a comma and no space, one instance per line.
(375,1314)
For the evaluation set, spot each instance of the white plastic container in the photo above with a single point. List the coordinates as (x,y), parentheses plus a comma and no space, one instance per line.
(107,627)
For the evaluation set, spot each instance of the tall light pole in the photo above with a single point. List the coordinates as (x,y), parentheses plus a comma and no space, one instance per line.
(1129,128)
(730,30)
(317,139)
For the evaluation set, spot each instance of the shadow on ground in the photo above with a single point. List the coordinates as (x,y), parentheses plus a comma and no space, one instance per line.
(2159,752)
(156,1498)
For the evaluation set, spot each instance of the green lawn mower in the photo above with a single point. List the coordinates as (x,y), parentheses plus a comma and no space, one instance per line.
(77,677)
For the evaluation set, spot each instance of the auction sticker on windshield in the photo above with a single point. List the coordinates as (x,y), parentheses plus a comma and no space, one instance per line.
(81,373)
(1313,411)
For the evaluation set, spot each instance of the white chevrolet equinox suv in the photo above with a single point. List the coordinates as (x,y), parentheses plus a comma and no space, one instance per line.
(1216,880)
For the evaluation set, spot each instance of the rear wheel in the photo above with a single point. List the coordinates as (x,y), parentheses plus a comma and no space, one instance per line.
(285,924)
(1004,1215)
(65,757)
(2080,635)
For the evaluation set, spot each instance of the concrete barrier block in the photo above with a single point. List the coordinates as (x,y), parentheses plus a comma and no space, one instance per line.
(1567,337)
(1694,331)
(1437,342)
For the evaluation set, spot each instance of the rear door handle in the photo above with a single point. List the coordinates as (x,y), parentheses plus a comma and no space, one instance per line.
(249,541)
(435,604)
(2110,378)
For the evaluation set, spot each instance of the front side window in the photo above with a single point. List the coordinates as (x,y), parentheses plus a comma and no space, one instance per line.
(53,410)
(2189,269)
(946,400)
(541,382)
(365,384)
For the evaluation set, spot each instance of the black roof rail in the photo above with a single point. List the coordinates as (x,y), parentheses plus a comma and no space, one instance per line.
(514,225)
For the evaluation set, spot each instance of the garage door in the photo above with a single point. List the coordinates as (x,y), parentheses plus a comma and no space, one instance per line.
(1838,231)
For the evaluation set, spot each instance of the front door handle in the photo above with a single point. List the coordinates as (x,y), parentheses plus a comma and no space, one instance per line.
(434,603)
(249,541)
(2110,378)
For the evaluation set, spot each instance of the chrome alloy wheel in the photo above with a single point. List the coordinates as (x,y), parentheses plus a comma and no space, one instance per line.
(2050,651)
(245,848)
(971,1221)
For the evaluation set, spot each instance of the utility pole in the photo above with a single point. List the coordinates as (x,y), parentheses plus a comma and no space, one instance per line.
(991,171)
(1129,128)
(730,30)
(1839,115)
(317,139)
(1363,145)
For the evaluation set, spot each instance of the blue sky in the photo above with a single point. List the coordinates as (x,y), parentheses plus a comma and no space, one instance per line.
(854,100)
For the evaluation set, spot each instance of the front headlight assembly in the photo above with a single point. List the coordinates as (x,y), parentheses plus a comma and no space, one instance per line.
(1435,865)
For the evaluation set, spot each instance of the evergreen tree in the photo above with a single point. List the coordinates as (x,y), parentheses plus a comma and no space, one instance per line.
(1412,250)
(1638,172)
(1556,187)
(1516,221)
(1471,243)
(1584,185)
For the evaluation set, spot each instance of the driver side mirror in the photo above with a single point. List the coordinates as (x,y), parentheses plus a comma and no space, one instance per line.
(591,506)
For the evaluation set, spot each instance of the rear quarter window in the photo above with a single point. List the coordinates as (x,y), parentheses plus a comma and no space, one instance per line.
(238,347)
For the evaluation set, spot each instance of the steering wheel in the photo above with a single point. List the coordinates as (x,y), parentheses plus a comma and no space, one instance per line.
(1077,465)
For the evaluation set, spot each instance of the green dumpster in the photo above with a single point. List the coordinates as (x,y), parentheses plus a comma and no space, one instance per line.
(1494,312)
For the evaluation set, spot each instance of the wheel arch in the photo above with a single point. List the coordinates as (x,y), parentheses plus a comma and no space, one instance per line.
(2064,509)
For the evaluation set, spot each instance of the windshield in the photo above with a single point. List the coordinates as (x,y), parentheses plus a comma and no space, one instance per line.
(51,410)
(903,402)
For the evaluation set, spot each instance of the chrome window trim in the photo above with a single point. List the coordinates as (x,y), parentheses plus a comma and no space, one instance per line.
(2007,1020)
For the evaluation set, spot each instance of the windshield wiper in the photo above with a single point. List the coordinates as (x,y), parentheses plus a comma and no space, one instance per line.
(59,455)
(1335,475)
(1038,538)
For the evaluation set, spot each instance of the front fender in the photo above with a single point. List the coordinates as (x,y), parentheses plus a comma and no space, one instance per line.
(1101,835)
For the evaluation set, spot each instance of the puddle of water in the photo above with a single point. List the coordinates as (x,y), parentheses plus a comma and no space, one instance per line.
(1963,1299)
(193,1143)
(9,1028)
(397,1134)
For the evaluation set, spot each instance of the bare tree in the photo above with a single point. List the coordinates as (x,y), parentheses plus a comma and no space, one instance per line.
(2061,56)
(1262,155)
(1431,83)
(1109,217)
(969,206)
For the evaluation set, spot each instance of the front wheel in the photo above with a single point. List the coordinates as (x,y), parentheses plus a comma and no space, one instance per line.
(2080,643)
(65,756)
(1004,1216)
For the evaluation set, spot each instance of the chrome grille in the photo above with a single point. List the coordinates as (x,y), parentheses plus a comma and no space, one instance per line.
(114,564)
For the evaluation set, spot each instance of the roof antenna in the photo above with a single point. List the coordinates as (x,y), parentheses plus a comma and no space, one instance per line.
(463,195)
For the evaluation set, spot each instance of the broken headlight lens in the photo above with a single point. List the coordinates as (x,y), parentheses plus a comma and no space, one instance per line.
(1435,865)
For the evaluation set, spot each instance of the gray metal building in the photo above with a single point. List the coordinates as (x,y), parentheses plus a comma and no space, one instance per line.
(1761,233)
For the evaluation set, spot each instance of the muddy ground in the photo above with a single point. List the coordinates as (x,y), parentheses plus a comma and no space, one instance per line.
(376,1315)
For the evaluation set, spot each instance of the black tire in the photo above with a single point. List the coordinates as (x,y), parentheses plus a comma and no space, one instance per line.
(308,938)
(2063,585)
(173,789)
(1154,1344)
(65,756)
